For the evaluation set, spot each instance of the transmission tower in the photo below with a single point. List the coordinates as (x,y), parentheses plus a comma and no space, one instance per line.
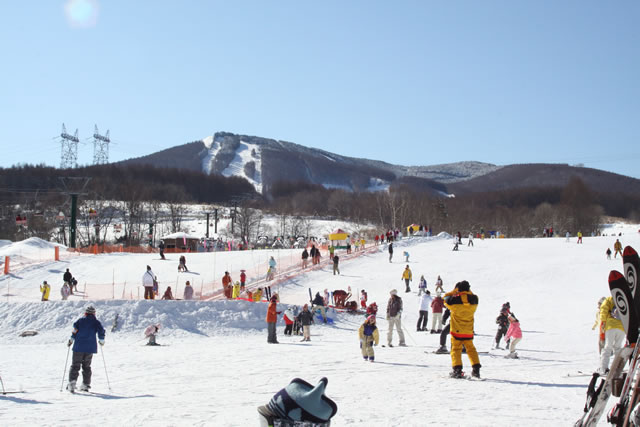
(100,147)
(69,152)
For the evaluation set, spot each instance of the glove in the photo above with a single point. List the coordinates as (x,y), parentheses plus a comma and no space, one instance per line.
(70,342)
(101,342)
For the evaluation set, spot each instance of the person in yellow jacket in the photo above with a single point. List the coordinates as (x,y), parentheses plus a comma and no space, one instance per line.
(257,295)
(369,336)
(46,290)
(614,335)
(408,277)
(597,325)
(462,304)
(236,290)
(617,247)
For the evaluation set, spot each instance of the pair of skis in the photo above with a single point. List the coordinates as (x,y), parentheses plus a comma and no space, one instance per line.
(624,291)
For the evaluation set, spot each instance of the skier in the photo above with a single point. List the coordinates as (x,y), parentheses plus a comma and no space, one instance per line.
(272,318)
(423,319)
(390,251)
(567,235)
(168,295)
(579,237)
(439,285)
(455,245)
(336,260)
(188,291)
(437,305)
(243,279)
(46,290)
(318,305)
(288,318)
(515,335)
(445,333)
(67,276)
(463,304)
(363,299)
(161,247)
(408,277)
(394,317)
(617,247)
(65,291)
(74,285)
(376,238)
(614,335)
(609,253)
(422,286)
(405,254)
(470,239)
(305,257)
(503,324)
(272,269)
(182,266)
(306,319)
(151,332)
(83,339)
(149,282)
(369,337)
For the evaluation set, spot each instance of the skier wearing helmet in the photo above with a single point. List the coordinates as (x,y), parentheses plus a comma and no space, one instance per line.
(368,334)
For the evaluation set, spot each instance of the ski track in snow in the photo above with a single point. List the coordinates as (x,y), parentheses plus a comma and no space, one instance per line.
(217,367)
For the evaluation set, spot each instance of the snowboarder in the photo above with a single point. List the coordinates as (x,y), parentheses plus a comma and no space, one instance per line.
(422,286)
(318,304)
(463,304)
(609,253)
(390,251)
(288,318)
(272,318)
(614,335)
(437,305)
(151,332)
(408,277)
(65,291)
(188,291)
(161,247)
(503,324)
(515,335)
(305,257)
(83,339)
(394,317)
(243,279)
(439,286)
(369,337)
(336,260)
(363,299)
(182,266)
(149,282)
(423,319)
(617,247)
(306,319)
(168,295)
(45,289)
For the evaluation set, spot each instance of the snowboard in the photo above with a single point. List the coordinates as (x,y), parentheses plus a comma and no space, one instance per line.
(597,397)
(623,298)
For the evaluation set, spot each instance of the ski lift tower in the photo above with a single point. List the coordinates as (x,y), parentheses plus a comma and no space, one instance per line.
(100,147)
(69,151)
(74,186)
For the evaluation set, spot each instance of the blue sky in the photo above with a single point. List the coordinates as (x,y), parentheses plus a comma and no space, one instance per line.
(408,82)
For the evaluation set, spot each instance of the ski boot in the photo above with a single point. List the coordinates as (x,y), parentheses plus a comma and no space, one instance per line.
(442,350)
(476,371)
(84,387)
(456,372)
(71,386)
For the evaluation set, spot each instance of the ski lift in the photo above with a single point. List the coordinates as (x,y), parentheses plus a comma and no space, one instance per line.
(21,220)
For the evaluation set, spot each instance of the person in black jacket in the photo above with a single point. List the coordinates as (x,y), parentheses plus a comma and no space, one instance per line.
(390,251)
(318,305)
(306,319)
(305,257)
(503,323)
(336,260)
(67,276)
(83,339)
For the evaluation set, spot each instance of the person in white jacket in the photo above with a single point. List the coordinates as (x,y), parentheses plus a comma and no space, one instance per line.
(425,303)
(148,279)
(188,291)
(65,291)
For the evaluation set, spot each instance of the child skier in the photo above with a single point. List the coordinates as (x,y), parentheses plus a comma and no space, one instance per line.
(515,335)
(608,253)
(243,279)
(65,291)
(46,290)
(288,321)
(369,337)
(503,324)
(439,287)
(422,286)
(151,332)
(182,266)
(406,256)
(363,299)
(235,292)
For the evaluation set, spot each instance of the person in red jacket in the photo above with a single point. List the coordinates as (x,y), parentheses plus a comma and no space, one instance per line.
(243,279)
(437,305)
(272,318)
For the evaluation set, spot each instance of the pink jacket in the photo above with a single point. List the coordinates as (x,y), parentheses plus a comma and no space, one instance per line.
(514,331)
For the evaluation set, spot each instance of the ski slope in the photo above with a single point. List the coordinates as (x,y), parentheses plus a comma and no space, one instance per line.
(216,366)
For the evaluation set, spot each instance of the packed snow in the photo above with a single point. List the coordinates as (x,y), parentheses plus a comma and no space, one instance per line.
(215,366)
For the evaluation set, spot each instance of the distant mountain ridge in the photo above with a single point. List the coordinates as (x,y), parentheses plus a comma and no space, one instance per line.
(264,162)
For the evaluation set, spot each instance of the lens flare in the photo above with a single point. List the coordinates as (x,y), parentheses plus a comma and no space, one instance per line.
(81,13)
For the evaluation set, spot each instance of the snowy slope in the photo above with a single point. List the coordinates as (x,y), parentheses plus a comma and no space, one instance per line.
(217,367)
(245,153)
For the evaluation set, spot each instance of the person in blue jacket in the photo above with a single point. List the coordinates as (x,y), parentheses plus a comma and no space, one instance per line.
(83,339)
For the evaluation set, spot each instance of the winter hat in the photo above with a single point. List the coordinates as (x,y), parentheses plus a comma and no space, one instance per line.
(274,298)
(300,401)
(463,286)
(371,318)
(394,292)
(90,310)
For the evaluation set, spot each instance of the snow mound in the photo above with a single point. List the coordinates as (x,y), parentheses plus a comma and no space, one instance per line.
(444,235)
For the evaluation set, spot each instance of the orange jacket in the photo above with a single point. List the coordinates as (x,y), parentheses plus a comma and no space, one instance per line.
(272,314)
(226,280)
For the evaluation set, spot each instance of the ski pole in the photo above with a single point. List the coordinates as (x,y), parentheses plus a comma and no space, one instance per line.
(65,367)
(105,368)
(2,382)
